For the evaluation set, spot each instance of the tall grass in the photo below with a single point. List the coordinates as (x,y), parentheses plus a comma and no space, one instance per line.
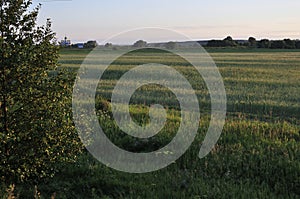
(257,156)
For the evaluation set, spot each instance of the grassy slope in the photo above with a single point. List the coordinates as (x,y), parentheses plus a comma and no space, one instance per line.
(257,156)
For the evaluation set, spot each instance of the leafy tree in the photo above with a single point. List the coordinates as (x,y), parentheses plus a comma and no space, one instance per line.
(140,44)
(264,43)
(252,42)
(171,45)
(297,44)
(91,44)
(278,44)
(228,41)
(215,43)
(108,45)
(228,38)
(36,131)
(289,44)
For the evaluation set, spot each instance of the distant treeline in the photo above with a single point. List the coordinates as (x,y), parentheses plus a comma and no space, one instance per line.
(253,43)
(88,44)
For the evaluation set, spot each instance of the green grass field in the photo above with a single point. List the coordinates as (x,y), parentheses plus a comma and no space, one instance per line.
(257,156)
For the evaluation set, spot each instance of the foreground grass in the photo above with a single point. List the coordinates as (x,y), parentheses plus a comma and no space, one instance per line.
(252,160)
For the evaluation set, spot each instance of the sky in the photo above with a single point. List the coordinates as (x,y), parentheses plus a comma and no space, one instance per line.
(82,20)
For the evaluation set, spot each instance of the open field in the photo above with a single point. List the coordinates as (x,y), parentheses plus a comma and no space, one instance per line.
(261,84)
(257,156)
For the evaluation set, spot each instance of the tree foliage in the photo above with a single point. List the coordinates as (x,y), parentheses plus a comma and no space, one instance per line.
(252,42)
(108,45)
(290,44)
(140,44)
(297,44)
(171,45)
(227,42)
(264,43)
(91,44)
(36,130)
(278,44)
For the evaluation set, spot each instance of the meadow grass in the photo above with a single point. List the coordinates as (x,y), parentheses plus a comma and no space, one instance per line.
(257,155)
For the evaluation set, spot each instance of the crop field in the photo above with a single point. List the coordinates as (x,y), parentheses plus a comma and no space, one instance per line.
(257,155)
(258,84)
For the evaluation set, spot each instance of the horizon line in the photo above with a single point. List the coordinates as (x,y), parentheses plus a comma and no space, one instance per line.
(193,40)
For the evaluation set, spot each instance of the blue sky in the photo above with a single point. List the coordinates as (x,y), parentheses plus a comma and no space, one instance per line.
(83,20)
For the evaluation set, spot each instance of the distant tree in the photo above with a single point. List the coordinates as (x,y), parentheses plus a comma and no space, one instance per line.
(278,44)
(36,131)
(252,42)
(140,44)
(289,44)
(74,46)
(157,45)
(108,45)
(216,43)
(171,45)
(264,43)
(229,42)
(228,38)
(91,44)
(297,44)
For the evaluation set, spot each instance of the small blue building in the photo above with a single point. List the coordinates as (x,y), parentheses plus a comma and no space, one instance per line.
(80,45)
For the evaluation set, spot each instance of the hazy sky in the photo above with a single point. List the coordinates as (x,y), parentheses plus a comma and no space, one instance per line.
(83,20)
